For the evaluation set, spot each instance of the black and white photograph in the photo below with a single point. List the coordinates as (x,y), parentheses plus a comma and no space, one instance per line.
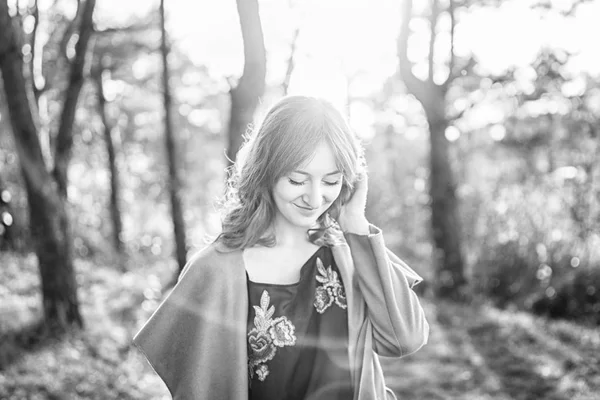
(299,200)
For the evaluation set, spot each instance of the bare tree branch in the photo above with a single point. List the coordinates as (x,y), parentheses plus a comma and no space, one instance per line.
(405,64)
(433,18)
(35,12)
(146,24)
(98,67)
(64,138)
(547,6)
(49,70)
(174,182)
(70,29)
(414,85)
(23,121)
(462,112)
(291,61)
(251,85)
(452,61)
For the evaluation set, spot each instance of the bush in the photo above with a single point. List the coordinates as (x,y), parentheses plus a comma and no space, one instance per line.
(506,271)
(512,273)
(533,248)
(576,298)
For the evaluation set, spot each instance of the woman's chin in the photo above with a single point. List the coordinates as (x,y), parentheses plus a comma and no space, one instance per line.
(306,223)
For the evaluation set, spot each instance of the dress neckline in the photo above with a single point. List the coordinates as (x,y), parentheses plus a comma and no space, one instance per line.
(283,285)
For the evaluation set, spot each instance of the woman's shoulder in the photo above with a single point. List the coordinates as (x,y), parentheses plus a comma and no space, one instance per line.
(210,259)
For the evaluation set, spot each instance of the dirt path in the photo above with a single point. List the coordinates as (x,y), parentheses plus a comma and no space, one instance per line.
(485,353)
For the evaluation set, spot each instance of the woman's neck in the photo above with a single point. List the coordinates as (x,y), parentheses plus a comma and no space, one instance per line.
(289,235)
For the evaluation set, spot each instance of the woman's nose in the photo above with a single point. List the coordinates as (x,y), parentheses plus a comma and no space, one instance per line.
(313,197)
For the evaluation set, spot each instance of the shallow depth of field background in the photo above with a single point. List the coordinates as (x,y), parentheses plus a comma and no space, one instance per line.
(522,135)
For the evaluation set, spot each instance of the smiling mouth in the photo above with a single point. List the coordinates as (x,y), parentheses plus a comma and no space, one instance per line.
(305,208)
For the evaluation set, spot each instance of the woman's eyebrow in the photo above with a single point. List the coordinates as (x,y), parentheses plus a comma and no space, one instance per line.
(307,174)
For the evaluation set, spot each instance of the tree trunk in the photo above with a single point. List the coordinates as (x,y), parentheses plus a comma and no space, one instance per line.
(445,227)
(174,180)
(115,210)
(48,218)
(445,223)
(64,137)
(53,243)
(251,86)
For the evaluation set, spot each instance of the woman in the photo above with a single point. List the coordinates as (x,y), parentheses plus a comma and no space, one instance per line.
(298,295)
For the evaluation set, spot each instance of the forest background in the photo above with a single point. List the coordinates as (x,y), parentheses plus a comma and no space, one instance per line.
(480,122)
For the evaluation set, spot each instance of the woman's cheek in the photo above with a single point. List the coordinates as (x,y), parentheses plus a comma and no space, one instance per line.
(334,194)
(292,192)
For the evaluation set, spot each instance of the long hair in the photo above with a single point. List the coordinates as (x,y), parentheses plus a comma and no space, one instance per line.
(287,137)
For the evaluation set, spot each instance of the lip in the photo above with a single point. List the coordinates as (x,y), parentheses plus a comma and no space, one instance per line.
(305,211)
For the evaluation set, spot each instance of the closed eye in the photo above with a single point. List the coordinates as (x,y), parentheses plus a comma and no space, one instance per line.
(296,183)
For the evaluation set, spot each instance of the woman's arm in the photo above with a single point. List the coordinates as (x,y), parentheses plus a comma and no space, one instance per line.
(196,339)
(385,281)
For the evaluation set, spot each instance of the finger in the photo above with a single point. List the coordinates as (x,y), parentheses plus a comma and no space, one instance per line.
(363,176)
(362,181)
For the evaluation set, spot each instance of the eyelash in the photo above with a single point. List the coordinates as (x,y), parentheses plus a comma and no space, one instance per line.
(295,183)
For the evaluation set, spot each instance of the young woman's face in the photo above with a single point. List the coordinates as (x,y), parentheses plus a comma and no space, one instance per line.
(304,194)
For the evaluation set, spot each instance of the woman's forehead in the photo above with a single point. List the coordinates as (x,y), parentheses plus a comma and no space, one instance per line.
(321,162)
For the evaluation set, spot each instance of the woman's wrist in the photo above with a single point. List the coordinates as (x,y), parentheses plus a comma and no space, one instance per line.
(356,225)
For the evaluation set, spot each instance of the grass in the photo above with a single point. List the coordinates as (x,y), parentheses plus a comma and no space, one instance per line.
(98,362)
(474,352)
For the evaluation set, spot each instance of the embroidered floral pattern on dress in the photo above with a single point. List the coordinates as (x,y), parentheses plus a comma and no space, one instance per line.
(262,372)
(267,335)
(331,290)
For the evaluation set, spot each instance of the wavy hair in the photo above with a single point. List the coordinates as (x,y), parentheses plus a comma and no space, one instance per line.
(287,138)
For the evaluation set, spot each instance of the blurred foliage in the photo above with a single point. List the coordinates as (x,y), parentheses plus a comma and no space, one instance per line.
(398,196)
(132,85)
(525,156)
(524,146)
(538,232)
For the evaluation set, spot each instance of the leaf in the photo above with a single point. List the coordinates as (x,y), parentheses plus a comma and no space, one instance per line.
(322,276)
(259,311)
(334,276)
(264,300)
(321,267)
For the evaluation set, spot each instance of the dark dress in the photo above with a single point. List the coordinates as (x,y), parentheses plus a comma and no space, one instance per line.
(298,335)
